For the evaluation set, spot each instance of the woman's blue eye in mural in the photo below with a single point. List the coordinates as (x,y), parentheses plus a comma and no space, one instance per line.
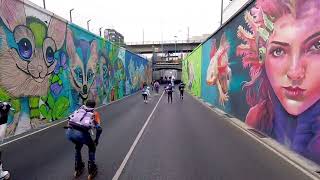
(25,48)
(50,55)
(78,74)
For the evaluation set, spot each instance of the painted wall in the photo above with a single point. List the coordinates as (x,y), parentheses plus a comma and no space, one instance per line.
(191,75)
(262,68)
(49,67)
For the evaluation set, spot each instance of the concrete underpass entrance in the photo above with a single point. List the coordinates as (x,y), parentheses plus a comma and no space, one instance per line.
(161,75)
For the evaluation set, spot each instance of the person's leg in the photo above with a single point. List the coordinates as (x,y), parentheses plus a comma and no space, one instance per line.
(3,174)
(92,167)
(92,151)
(78,147)
(182,94)
(76,137)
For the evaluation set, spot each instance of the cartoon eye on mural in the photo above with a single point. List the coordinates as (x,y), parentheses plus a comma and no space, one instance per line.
(219,72)
(82,63)
(27,61)
(283,53)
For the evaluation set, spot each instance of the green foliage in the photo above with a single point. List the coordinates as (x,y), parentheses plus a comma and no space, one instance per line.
(4,96)
(34,107)
(54,110)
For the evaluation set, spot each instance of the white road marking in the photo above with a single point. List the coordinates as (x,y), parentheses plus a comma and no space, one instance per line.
(307,172)
(125,160)
(40,130)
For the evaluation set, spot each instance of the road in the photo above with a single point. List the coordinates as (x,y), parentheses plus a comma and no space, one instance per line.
(183,141)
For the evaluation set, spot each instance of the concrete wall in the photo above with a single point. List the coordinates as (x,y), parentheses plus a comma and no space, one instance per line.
(232,8)
(49,67)
(262,67)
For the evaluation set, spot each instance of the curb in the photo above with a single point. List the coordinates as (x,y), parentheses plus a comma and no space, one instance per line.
(307,166)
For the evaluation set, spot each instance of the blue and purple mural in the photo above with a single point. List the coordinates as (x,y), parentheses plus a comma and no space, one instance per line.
(49,67)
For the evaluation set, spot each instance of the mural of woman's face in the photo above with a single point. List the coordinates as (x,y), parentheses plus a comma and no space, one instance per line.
(293,61)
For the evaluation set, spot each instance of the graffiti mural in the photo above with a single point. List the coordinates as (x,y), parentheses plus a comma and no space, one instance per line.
(219,72)
(192,67)
(262,66)
(137,72)
(49,67)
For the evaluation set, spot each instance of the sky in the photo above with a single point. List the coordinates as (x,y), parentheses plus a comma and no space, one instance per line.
(142,20)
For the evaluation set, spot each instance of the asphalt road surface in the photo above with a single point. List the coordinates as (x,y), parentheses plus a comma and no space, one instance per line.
(183,141)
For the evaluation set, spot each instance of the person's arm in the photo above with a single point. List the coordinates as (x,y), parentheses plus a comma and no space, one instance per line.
(98,127)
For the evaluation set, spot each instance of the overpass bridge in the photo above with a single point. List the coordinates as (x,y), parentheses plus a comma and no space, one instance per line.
(159,65)
(148,47)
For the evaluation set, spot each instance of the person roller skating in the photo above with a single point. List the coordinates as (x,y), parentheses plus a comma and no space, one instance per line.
(145,93)
(4,112)
(80,127)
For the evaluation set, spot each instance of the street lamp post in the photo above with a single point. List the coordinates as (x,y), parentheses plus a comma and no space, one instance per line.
(88,24)
(221,13)
(44,4)
(175,45)
(71,14)
(100,30)
(142,36)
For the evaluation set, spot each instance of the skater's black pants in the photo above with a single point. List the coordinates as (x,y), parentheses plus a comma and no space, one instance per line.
(145,97)
(79,138)
(170,96)
(181,93)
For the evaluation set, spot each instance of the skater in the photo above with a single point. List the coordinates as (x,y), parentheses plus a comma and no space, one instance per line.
(4,112)
(181,89)
(145,94)
(79,130)
(157,87)
(169,91)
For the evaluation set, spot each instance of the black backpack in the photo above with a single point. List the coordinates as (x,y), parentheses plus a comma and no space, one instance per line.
(181,87)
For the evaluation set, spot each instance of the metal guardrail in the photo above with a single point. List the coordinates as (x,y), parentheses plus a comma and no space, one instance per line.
(164,42)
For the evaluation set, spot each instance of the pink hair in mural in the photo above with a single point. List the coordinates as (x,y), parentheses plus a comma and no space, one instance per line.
(282,50)
(219,72)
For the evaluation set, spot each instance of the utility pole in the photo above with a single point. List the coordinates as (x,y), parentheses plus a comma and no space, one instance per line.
(188,35)
(221,13)
(71,14)
(100,30)
(88,24)
(142,36)
(44,4)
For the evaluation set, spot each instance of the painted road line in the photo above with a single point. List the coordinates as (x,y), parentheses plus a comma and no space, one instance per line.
(53,125)
(124,162)
(243,129)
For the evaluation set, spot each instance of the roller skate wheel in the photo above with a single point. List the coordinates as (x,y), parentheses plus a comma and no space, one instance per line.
(6,177)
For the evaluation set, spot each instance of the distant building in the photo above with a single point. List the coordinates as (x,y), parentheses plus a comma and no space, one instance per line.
(114,36)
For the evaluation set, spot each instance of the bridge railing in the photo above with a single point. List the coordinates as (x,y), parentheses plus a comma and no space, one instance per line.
(164,42)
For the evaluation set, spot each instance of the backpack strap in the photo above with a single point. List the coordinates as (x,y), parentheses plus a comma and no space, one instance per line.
(83,116)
